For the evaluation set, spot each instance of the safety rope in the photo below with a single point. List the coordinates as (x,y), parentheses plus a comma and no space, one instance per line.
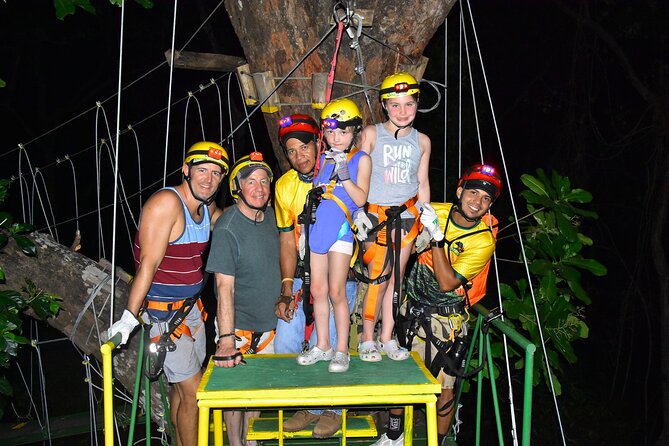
(328,90)
(38,174)
(116,173)
(169,93)
(185,132)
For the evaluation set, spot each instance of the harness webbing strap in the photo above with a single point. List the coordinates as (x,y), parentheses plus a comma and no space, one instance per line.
(378,252)
(253,344)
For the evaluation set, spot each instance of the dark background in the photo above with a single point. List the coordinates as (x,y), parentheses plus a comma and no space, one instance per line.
(563,100)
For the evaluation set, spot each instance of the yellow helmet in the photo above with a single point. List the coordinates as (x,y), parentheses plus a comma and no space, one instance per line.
(207,152)
(340,113)
(254,160)
(398,84)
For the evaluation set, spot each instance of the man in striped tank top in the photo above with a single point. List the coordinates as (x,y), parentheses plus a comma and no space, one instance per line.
(173,233)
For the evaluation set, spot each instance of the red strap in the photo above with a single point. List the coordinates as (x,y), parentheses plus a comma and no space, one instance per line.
(328,91)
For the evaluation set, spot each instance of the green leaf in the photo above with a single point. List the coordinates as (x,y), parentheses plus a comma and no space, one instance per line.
(26,245)
(579,292)
(566,227)
(21,228)
(68,7)
(2,274)
(591,265)
(3,84)
(534,185)
(579,196)
(12,299)
(507,291)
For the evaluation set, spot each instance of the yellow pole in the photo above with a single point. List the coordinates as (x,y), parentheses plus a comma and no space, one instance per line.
(108,387)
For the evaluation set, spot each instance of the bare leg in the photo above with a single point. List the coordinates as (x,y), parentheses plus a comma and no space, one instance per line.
(368,325)
(233,424)
(337,274)
(247,418)
(184,410)
(387,320)
(319,291)
(444,422)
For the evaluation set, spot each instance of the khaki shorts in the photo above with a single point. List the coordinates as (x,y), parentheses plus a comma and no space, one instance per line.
(186,361)
(442,327)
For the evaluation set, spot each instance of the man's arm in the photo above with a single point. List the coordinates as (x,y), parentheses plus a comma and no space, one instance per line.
(225,316)
(159,216)
(444,272)
(288,266)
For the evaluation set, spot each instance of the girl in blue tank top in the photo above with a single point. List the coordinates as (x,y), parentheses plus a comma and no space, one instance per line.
(344,176)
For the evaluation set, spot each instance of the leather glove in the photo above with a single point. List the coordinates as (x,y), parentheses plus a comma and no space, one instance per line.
(301,244)
(431,222)
(125,326)
(363,223)
(422,241)
(341,164)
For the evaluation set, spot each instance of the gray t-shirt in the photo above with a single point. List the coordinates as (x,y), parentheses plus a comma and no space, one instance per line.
(249,251)
(395,163)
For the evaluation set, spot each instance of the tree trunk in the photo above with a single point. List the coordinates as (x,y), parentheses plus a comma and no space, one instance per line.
(85,289)
(276,34)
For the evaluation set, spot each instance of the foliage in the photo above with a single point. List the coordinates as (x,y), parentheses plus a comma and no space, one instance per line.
(69,7)
(553,243)
(14,303)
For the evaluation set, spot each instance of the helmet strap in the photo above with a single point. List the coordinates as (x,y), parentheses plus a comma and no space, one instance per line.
(241,196)
(203,201)
(399,127)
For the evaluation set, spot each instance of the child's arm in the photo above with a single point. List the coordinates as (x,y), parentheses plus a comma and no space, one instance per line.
(359,190)
(367,139)
(424,168)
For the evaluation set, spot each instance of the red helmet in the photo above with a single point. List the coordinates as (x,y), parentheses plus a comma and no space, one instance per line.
(484,177)
(299,126)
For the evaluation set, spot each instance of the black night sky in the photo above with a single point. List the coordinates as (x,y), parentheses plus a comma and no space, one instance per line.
(576,86)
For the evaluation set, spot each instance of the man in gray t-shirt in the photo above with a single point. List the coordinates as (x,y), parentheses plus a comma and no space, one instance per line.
(244,258)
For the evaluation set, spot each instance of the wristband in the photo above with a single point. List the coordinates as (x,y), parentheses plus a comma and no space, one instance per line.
(286,279)
(227,335)
(438,244)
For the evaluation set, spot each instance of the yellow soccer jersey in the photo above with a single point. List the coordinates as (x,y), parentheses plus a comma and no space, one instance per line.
(290,193)
(469,251)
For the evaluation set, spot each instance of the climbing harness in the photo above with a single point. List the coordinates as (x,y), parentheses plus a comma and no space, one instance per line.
(382,255)
(158,346)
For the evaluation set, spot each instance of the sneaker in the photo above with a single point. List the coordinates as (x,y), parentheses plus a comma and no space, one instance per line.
(327,425)
(339,363)
(300,420)
(368,352)
(385,441)
(393,350)
(314,355)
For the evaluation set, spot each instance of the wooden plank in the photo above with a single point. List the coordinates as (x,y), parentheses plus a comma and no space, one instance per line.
(204,61)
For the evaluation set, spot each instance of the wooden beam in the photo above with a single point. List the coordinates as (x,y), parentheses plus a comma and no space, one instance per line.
(204,61)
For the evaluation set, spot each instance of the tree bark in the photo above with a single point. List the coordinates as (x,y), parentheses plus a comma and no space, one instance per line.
(85,289)
(276,34)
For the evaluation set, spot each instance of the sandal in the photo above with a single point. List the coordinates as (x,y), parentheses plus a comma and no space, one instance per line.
(393,350)
(368,352)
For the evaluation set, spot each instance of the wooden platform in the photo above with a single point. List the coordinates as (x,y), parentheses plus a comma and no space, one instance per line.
(277,382)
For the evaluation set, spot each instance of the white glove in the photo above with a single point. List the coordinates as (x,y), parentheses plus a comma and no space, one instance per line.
(125,326)
(422,240)
(363,223)
(301,244)
(341,164)
(431,222)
